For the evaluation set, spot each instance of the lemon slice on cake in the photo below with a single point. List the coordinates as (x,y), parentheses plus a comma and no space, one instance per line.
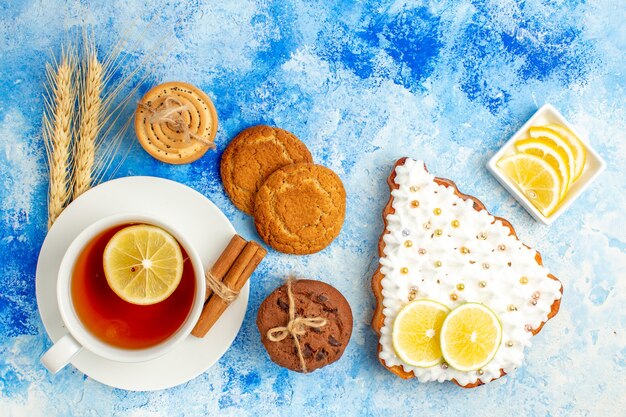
(470,337)
(548,150)
(537,179)
(143,264)
(415,334)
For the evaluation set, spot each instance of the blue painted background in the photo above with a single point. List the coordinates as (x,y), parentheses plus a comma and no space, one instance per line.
(361,84)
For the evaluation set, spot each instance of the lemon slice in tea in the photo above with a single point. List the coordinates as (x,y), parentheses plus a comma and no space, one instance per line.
(415,333)
(470,337)
(537,179)
(143,264)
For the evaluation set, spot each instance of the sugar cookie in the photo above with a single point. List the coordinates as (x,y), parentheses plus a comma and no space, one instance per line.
(300,208)
(252,156)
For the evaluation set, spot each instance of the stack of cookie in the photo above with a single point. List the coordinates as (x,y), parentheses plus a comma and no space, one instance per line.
(298,206)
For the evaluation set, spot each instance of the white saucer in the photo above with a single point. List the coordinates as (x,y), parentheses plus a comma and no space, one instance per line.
(191,213)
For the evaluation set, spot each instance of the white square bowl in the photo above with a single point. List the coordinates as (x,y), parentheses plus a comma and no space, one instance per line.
(593,167)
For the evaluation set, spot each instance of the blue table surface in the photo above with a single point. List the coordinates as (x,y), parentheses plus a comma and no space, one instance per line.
(362,84)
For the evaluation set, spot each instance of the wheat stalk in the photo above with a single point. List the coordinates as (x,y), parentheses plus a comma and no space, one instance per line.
(80,121)
(99,137)
(90,119)
(57,130)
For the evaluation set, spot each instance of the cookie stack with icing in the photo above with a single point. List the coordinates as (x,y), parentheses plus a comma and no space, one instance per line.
(442,245)
(298,206)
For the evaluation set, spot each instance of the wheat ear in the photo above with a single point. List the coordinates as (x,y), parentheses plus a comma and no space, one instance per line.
(57,130)
(90,110)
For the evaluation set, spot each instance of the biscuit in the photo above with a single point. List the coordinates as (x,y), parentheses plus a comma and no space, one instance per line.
(252,156)
(176,122)
(320,346)
(300,208)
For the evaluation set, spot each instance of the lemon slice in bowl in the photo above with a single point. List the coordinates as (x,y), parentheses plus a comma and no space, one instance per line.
(578,149)
(415,334)
(564,145)
(470,337)
(548,150)
(536,178)
(143,264)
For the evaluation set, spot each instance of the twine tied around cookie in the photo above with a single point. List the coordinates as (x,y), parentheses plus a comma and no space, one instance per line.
(295,327)
(220,289)
(171,113)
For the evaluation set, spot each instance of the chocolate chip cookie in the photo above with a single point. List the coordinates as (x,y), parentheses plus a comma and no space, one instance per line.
(300,208)
(252,156)
(324,330)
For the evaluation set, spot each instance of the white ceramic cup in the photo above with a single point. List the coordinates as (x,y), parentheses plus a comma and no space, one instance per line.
(78,337)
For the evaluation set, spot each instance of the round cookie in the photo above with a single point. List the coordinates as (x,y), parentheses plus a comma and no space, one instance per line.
(319,346)
(252,156)
(300,208)
(176,122)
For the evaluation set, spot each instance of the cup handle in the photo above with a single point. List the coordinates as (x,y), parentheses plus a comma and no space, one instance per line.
(60,353)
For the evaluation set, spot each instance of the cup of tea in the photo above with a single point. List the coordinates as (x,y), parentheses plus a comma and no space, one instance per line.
(100,321)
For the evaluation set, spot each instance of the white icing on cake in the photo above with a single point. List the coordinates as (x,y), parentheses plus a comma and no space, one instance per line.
(495,258)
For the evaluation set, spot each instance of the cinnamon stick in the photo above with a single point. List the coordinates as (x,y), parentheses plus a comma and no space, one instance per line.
(251,267)
(235,279)
(226,261)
